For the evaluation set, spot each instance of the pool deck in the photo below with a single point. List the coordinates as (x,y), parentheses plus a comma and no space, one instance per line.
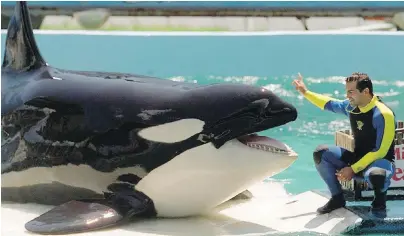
(226,23)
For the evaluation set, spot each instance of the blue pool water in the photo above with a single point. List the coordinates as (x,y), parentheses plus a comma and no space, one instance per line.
(269,61)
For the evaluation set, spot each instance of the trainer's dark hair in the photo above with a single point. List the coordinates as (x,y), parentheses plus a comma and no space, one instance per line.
(363,81)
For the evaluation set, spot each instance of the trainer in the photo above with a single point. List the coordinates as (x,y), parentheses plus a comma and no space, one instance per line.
(373,125)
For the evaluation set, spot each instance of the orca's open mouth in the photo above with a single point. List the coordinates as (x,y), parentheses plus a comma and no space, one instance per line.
(265,144)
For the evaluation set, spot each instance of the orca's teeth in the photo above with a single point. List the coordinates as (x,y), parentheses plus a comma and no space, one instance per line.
(266,148)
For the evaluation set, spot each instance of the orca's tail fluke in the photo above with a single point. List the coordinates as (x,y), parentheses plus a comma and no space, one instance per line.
(21,51)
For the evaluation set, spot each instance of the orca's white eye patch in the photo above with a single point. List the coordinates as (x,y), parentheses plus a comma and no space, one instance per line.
(172,132)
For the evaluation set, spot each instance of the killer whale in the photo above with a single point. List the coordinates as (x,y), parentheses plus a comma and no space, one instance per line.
(114,146)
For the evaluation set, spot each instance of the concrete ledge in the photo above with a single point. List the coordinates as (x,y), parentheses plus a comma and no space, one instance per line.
(330,23)
(218,23)
(285,23)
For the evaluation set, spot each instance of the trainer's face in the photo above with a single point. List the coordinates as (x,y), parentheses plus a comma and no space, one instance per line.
(352,93)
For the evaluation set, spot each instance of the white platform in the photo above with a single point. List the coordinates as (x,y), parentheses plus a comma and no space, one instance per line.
(269,212)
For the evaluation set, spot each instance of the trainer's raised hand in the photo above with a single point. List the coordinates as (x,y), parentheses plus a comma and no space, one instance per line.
(299,84)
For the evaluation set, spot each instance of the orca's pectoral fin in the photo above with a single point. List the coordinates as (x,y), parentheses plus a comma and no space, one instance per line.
(75,217)
(92,214)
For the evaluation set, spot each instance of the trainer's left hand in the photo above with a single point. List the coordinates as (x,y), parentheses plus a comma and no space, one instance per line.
(345,173)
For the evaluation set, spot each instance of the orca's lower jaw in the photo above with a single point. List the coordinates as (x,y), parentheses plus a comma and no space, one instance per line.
(269,120)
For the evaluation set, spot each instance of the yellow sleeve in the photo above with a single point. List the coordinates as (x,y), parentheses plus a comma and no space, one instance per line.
(318,100)
(384,123)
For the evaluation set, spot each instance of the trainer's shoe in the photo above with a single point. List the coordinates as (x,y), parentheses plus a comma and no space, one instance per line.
(334,203)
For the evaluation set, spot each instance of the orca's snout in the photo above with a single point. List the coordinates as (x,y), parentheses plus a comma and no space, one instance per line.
(277,112)
(246,109)
(277,105)
(284,109)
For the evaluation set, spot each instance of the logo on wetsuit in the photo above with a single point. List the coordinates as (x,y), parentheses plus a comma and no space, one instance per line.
(359,124)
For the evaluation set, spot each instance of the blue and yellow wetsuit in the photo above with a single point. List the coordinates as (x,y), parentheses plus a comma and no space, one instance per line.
(373,128)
